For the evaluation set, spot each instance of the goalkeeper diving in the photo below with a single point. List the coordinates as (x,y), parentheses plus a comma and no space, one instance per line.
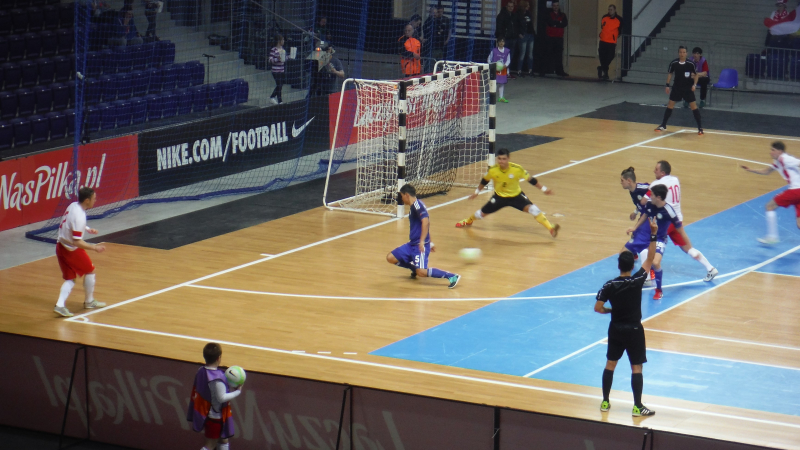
(507,192)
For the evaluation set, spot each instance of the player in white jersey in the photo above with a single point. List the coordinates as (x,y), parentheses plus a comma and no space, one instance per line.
(789,168)
(71,252)
(663,175)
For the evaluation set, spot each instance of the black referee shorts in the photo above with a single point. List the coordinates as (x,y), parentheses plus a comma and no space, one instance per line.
(497,203)
(677,95)
(628,338)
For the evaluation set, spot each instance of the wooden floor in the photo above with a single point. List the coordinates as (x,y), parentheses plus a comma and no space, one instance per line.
(338,254)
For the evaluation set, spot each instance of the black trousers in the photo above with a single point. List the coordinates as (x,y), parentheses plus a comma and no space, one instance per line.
(150,14)
(703,82)
(280,79)
(511,44)
(555,54)
(606,51)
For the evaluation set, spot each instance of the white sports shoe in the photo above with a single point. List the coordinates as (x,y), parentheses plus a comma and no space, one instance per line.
(273,100)
(63,311)
(711,274)
(94,304)
(767,240)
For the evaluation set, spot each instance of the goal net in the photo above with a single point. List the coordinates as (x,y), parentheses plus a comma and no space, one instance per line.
(431,132)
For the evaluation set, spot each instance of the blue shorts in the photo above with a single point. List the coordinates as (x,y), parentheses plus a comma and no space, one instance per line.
(410,255)
(640,241)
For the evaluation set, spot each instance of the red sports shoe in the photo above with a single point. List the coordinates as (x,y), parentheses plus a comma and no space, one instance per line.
(658,295)
(652,275)
(635,256)
(464,223)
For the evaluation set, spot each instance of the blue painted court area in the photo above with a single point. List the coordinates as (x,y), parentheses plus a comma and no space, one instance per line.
(528,331)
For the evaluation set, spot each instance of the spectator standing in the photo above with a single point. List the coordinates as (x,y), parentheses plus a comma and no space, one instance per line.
(527,32)
(415,22)
(556,22)
(610,25)
(323,33)
(437,30)
(506,26)
(703,75)
(277,60)
(409,48)
(501,54)
(330,69)
(779,15)
(209,404)
(126,33)
(151,10)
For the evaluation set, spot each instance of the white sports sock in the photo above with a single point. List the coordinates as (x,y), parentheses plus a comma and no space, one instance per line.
(478,214)
(225,446)
(500,89)
(772,224)
(643,255)
(702,260)
(88,286)
(66,288)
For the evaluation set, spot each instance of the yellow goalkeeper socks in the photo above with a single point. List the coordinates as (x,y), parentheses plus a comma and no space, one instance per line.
(543,220)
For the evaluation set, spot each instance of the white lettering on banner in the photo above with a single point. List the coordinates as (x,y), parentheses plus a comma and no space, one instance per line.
(42,170)
(16,193)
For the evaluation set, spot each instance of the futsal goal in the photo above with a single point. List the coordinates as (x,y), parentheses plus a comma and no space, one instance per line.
(434,132)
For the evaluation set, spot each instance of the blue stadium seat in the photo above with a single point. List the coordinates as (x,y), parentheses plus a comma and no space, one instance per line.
(108,117)
(16,47)
(22,131)
(138,57)
(138,110)
(198,73)
(153,80)
(66,40)
(108,61)
(67,13)
(8,105)
(12,74)
(26,102)
(35,18)
(150,55)
(92,91)
(58,125)
(44,99)
(30,73)
(3,49)
(108,86)
(51,17)
(47,70)
(5,23)
(124,88)
(214,96)
(6,135)
(60,96)
(70,113)
(183,75)
(168,77)
(228,89)
(33,45)
(170,103)
(92,118)
(122,55)
(166,52)
(139,83)
(49,43)
(63,68)
(155,106)
(40,128)
(94,64)
(71,88)
(199,98)
(242,91)
(19,20)
(184,101)
(122,110)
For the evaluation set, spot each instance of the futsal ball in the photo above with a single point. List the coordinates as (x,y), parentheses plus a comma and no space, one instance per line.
(470,255)
(500,66)
(235,376)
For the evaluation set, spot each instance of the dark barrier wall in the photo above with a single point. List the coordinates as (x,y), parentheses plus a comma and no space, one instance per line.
(141,401)
(220,146)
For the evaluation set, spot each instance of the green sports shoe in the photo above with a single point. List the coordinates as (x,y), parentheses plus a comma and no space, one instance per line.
(643,411)
(453,281)
(605,406)
(503,99)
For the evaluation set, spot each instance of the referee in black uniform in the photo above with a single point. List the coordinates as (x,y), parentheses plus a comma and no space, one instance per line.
(625,332)
(683,89)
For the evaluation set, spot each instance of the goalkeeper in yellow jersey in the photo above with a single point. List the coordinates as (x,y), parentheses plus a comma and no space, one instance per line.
(507,176)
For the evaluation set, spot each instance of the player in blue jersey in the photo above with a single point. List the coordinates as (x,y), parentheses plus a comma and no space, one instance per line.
(414,254)
(665,216)
(640,239)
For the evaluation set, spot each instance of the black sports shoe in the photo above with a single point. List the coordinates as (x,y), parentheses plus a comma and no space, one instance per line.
(453,281)
(599,72)
(413,274)
(700,131)
(661,128)
(639,411)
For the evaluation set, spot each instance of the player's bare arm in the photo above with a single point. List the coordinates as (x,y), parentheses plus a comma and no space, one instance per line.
(481,186)
(766,171)
(669,78)
(694,79)
(601,307)
(543,188)
(423,235)
(634,214)
(651,250)
(80,243)
(639,223)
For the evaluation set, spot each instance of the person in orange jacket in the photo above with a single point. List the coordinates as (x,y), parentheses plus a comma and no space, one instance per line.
(609,32)
(409,48)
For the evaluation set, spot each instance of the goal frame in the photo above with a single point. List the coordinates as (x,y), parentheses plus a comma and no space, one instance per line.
(402,110)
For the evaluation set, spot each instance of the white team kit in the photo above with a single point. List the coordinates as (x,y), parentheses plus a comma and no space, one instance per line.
(673,192)
(73,225)
(789,168)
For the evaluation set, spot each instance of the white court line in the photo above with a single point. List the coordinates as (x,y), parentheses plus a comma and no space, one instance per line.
(779,274)
(706,154)
(777,138)
(563,358)
(266,254)
(719,358)
(314,244)
(735,341)
(445,375)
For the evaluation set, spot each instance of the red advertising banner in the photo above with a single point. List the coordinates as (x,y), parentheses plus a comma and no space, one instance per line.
(41,186)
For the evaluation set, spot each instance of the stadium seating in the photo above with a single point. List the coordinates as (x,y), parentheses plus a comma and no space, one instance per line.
(44,99)
(122,111)
(30,73)
(108,118)
(58,125)
(40,129)
(47,70)
(6,135)
(138,110)
(26,102)
(60,96)
(22,131)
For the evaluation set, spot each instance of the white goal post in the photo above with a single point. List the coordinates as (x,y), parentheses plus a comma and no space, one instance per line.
(435,132)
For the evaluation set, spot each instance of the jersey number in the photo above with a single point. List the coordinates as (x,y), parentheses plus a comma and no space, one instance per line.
(675,192)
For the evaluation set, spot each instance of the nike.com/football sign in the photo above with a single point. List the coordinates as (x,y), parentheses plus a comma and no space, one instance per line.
(230,144)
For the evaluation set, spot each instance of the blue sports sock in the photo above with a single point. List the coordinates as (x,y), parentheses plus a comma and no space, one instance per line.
(436,273)
(404,265)
(659,274)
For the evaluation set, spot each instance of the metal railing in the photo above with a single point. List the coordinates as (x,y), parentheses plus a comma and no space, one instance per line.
(644,59)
